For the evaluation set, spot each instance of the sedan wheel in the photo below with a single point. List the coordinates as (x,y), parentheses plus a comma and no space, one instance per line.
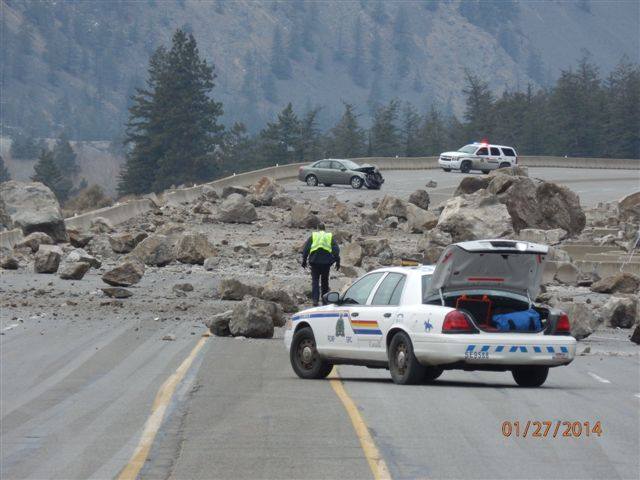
(312,180)
(530,376)
(403,365)
(356,182)
(304,356)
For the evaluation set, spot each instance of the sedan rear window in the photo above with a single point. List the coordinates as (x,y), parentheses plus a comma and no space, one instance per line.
(508,152)
(323,164)
(349,165)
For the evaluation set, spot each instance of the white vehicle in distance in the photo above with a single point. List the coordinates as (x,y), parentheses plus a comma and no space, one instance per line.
(479,156)
(464,313)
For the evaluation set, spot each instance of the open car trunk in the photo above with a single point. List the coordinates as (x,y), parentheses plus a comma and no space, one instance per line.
(493,282)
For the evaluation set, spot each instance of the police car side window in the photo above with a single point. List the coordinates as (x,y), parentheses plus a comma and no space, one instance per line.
(386,293)
(495,151)
(508,152)
(358,293)
(483,151)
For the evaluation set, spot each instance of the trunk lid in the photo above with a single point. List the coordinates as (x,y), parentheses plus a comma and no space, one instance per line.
(497,265)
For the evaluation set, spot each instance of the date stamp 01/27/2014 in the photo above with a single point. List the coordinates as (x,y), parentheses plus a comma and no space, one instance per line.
(551,429)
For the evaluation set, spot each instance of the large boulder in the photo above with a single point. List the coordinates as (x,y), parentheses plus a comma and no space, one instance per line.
(237,209)
(620,312)
(515,171)
(432,244)
(79,255)
(283,201)
(567,273)
(420,220)
(73,270)
(280,296)
(629,208)
(32,207)
(372,247)
(78,238)
(545,237)
(219,323)
(255,318)
(126,241)
(351,254)
(234,289)
(265,190)
(476,216)
(47,259)
(302,217)
(420,198)
(581,317)
(194,248)
(156,250)
(127,273)
(33,241)
(231,189)
(470,185)
(622,282)
(392,207)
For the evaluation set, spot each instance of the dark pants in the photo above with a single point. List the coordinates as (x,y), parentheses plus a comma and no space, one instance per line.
(319,274)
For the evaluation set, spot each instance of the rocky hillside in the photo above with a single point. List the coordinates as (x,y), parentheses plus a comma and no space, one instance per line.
(72,65)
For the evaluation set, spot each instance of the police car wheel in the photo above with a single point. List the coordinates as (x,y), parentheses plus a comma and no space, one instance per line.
(304,356)
(486,172)
(530,376)
(446,169)
(504,165)
(431,373)
(356,182)
(312,180)
(465,167)
(403,364)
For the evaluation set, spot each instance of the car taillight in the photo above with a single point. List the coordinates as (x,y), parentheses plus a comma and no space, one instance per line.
(457,322)
(563,327)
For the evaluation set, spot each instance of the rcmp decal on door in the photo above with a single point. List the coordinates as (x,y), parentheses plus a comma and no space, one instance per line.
(365,327)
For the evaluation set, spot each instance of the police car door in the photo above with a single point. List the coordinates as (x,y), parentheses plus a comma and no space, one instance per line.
(340,337)
(383,311)
(482,155)
(495,157)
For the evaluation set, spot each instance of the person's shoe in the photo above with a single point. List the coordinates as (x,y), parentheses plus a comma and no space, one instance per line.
(315,304)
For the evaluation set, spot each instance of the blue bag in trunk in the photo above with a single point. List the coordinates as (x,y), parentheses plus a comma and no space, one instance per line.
(523,321)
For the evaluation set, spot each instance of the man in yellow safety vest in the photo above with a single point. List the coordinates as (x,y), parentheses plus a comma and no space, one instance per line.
(322,251)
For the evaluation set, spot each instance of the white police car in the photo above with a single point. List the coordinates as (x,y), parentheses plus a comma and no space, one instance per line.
(479,156)
(473,310)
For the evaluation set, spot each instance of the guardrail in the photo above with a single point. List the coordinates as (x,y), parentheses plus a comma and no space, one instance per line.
(122,212)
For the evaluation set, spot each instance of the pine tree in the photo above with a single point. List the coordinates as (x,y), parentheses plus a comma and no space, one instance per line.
(478,114)
(24,147)
(47,173)
(281,140)
(310,146)
(173,124)
(65,157)
(385,137)
(623,111)
(410,131)
(5,176)
(433,134)
(280,65)
(347,139)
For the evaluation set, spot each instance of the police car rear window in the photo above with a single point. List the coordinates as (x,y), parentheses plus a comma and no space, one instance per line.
(508,152)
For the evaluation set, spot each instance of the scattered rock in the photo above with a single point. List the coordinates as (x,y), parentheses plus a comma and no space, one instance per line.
(73,270)
(101,225)
(47,259)
(32,207)
(237,209)
(116,292)
(78,239)
(233,289)
(208,194)
(629,208)
(283,201)
(342,236)
(567,273)
(515,171)
(432,244)
(34,240)
(219,324)
(170,337)
(349,271)
(235,189)
(194,248)
(256,318)
(419,220)
(620,312)
(126,242)
(9,262)
(211,263)
(79,255)
(582,318)
(635,336)
(431,184)
(475,216)
(127,273)
(368,229)
(265,190)
(392,207)
(622,282)
(545,237)
(470,185)
(302,217)
(391,222)
(183,287)
(420,198)
(280,296)
(351,254)
(157,250)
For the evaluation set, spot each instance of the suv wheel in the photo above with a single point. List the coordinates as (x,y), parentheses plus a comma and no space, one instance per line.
(304,356)
(504,165)
(403,364)
(486,172)
(312,180)
(465,167)
(356,182)
(530,376)
(446,169)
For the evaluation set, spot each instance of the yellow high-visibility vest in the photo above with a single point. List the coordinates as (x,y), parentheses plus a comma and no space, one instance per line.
(321,240)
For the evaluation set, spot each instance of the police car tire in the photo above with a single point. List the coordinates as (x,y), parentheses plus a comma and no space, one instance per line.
(504,165)
(319,368)
(446,169)
(413,372)
(530,376)
(431,373)
(486,172)
(465,167)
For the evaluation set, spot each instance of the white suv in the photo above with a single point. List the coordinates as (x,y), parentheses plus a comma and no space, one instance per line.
(479,156)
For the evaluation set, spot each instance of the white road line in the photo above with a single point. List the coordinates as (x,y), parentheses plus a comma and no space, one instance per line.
(10,327)
(598,378)
(637,395)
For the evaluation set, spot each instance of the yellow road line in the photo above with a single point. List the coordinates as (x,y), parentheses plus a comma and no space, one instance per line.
(376,462)
(153,423)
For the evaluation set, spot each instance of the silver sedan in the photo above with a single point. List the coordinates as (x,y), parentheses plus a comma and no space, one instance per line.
(341,172)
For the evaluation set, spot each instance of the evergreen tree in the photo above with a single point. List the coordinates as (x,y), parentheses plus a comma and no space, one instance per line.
(47,173)
(280,65)
(478,114)
(410,131)
(269,88)
(347,139)
(173,124)
(385,137)
(24,147)
(65,157)
(623,111)
(357,65)
(5,176)
(310,145)
(433,134)
(281,140)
